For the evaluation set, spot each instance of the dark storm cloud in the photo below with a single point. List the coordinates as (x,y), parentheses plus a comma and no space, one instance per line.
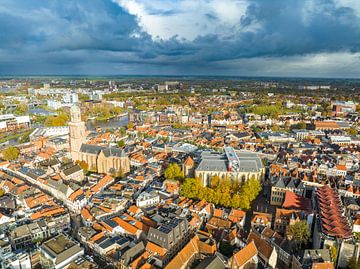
(100,37)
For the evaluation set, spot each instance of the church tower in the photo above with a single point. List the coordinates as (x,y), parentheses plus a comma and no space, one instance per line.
(77,132)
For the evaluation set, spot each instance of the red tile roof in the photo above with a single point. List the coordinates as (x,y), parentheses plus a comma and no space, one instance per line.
(48,212)
(264,248)
(75,194)
(295,201)
(244,256)
(332,221)
(189,161)
(102,183)
(323,265)
(32,202)
(236,215)
(155,249)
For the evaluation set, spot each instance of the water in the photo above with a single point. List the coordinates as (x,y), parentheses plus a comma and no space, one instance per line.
(113,123)
(11,142)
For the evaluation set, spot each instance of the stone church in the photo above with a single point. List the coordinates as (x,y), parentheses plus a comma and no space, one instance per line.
(101,159)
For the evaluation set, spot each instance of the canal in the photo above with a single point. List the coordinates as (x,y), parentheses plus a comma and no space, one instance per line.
(112,123)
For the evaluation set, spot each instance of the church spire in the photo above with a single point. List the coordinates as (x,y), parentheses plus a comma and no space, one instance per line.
(77,132)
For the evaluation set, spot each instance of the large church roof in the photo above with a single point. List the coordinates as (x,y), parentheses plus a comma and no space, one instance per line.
(108,151)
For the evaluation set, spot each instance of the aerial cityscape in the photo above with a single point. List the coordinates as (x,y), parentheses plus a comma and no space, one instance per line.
(205,134)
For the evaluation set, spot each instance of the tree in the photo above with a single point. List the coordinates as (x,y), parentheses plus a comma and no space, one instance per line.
(249,191)
(214,181)
(299,232)
(84,166)
(352,131)
(300,125)
(53,121)
(173,172)
(130,126)
(333,252)
(275,128)
(10,153)
(226,248)
(190,188)
(121,143)
(21,109)
(255,129)
(59,120)
(122,131)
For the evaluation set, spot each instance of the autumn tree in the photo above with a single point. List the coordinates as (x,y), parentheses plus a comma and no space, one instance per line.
(173,172)
(191,188)
(10,153)
(352,131)
(84,166)
(130,126)
(21,109)
(299,232)
(333,252)
(223,191)
(249,191)
(57,120)
(214,181)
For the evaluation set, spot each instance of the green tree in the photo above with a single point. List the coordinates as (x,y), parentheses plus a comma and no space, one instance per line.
(226,248)
(173,172)
(300,125)
(121,143)
(10,153)
(299,232)
(21,109)
(1,105)
(122,131)
(255,129)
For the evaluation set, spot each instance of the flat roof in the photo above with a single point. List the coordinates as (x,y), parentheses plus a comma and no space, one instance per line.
(61,248)
(59,244)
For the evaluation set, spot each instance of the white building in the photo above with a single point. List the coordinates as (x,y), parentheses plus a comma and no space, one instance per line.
(20,260)
(340,140)
(50,132)
(146,199)
(54,104)
(11,122)
(71,98)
